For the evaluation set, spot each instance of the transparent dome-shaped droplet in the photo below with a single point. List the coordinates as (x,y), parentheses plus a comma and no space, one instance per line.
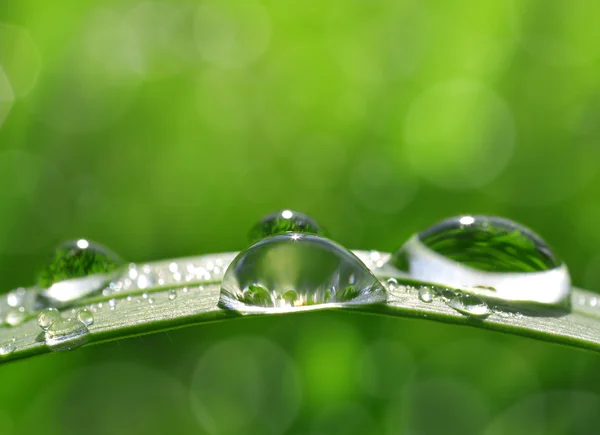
(489,256)
(47,317)
(172,295)
(77,269)
(284,221)
(426,294)
(297,271)
(470,305)
(85,316)
(66,334)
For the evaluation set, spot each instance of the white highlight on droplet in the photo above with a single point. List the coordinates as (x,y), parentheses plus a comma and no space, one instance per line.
(466,220)
(82,244)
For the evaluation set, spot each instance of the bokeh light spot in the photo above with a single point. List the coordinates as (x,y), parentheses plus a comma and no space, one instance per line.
(439,406)
(6,96)
(550,413)
(387,367)
(557,34)
(459,134)
(20,58)
(381,186)
(245,385)
(231,33)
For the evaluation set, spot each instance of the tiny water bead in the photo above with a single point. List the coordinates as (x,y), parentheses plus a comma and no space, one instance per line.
(426,294)
(470,305)
(76,269)
(284,221)
(489,256)
(295,271)
(47,317)
(66,334)
(7,349)
(85,316)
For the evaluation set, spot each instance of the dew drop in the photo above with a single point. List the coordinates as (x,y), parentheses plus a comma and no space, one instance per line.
(491,256)
(15,317)
(7,349)
(150,300)
(469,305)
(47,317)
(392,282)
(172,295)
(85,316)
(16,297)
(76,269)
(294,271)
(426,294)
(66,334)
(284,221)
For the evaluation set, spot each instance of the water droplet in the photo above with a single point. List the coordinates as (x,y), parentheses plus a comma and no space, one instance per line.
(426,294)
(293,271)
(172,295)
(15,317)
(16,297)
(150,300)
(284,221)
(392,282)
(85,316)
(491,256)
(77,269)
(66,334)
(47,317)
(112,303)
(7,349)
(469,305)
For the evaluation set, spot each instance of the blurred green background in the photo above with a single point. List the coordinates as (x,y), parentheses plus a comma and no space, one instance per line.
(166,129)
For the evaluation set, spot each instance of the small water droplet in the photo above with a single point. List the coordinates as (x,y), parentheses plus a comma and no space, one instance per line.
(7,349)
(284,221)
(469,305)
(426,294)
(490,255)
(150,300)
(77,269)
(172,295)
(392,282)
(47,317)
(15,317)
(145,295)
(66,334)
(112,303)
(85,316)
(292,270)
(16,297)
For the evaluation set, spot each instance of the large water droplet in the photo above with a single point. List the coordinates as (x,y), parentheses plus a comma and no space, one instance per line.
(284,221)
(47,317)
(469,305)
(489,256)
(297,271)
(77,269)
(66,334)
